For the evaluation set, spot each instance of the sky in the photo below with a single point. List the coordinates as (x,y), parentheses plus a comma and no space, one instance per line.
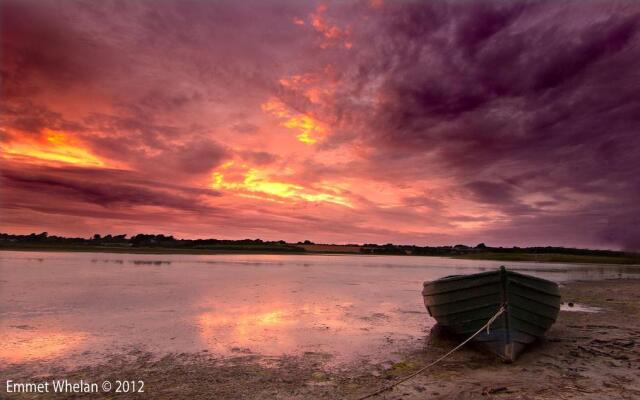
(429,123)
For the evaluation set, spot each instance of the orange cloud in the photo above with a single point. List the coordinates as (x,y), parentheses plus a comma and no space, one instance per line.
(251,182)
(332,34)
(295,81)
(313,86)
(52,147)
(309,129)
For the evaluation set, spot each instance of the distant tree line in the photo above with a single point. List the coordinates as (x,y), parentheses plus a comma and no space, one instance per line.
(460,249)
(143,240)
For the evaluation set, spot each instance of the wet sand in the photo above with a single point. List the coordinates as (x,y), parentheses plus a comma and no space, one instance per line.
(585,356)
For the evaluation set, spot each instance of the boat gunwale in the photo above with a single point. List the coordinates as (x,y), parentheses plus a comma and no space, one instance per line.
(522,284)
(458,301)
(486,273)
(459,289)
(461,277)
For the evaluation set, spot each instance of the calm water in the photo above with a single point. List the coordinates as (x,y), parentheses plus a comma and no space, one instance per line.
(79,307)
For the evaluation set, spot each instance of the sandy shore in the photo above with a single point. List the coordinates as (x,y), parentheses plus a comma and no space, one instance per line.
(585,356)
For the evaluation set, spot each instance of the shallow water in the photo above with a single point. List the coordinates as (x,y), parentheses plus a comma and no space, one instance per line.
(574,307)
(79,307)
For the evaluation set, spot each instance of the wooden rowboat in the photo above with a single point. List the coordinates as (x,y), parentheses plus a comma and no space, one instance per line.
(464,303)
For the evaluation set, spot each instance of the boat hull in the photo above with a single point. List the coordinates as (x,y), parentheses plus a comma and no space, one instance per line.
(464,303)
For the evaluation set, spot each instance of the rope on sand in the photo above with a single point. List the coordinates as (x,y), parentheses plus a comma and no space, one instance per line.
(421,370)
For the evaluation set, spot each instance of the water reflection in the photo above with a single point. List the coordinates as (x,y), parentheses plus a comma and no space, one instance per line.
(24,343)
(289,328)
(150,262)
(242,327)
(348,306)
(574,307)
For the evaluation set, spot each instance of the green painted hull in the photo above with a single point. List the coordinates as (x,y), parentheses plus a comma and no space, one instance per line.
(464,303)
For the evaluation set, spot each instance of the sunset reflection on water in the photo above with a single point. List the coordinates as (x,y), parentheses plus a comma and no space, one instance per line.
(23,345)
(89,305)
(287,328)
(242,328)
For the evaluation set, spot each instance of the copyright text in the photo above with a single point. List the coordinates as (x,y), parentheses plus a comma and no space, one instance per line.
(81,386)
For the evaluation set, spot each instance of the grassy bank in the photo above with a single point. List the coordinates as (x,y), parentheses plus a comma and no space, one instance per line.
(150,250)
(631,259)
(553,258)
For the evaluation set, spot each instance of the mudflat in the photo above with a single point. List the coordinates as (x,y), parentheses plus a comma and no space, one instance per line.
(586,355)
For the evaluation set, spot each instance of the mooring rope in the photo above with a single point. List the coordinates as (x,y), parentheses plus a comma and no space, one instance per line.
(421,370)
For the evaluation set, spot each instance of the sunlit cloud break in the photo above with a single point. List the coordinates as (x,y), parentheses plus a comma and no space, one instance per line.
(51,147)
(254,183)
(309,129)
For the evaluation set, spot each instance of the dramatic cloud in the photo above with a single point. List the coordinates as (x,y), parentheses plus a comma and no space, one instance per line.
(509,123)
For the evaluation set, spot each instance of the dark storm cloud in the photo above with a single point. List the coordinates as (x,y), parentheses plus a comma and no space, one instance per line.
(60,41)
(438,91)
(108,189)
(259,157)
(42,46)
(544,95)
(491,192)
(199,157)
